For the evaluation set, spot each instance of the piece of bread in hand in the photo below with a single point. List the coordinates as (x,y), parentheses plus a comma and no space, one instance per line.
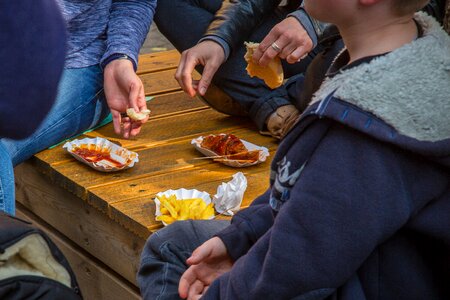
(272,74)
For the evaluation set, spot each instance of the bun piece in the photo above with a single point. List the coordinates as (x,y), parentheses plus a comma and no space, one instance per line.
(272,74)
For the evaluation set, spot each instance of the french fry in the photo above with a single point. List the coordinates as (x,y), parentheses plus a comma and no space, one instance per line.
(173,209)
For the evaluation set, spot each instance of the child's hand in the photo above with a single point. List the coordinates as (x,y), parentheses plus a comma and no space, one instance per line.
(207,262)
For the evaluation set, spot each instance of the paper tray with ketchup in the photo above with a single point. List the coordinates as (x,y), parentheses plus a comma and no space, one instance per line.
(219,147)
(101,154)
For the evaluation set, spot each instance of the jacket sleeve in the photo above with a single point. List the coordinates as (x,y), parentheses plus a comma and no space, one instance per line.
(353,194)
(129,23)
(32,39)
(239,16)
(436,8)
(247,226)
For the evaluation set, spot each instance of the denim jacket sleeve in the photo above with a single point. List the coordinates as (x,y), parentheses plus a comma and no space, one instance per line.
(128,26)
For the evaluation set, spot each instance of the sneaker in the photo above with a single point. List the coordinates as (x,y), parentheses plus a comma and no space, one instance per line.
(281,121)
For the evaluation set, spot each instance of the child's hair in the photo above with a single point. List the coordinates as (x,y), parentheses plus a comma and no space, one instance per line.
(404,7)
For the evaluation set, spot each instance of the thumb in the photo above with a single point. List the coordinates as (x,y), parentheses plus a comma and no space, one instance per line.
(207,75)
(200,254)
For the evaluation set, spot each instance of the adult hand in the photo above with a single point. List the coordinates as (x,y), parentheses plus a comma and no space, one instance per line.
(207,53)
(207,262)
(290,37)
(124,89)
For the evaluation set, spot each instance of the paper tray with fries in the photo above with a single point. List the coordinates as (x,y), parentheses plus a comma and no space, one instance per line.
(183,204)
(228,160)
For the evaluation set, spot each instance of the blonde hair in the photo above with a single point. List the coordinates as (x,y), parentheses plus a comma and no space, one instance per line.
(404,7)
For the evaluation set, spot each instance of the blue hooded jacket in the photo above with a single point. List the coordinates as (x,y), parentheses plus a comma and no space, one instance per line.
(359,201)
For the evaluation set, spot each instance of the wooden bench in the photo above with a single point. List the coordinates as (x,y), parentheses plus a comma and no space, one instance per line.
(102,220)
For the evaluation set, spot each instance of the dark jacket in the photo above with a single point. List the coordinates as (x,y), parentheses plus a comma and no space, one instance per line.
(359,201)
(32,39)
(236,19)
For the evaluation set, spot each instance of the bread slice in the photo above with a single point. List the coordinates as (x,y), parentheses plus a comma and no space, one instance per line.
(272,74)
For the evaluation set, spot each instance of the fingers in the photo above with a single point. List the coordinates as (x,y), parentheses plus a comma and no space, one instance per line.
(196,290)
(116,121)
(265,52)
(186,280)
(207,75)
(296,55)
(135,128)
(184,73)
(202,252)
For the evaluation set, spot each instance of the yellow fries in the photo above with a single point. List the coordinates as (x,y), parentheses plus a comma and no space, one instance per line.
(173,209)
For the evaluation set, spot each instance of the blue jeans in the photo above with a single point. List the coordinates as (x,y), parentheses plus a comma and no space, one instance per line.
(163,259)
(79,105)
(184,22)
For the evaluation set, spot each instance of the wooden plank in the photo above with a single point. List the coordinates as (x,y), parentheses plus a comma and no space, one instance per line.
(155,159)
(154,62)
(138,214)
(159,83)
(77,178)
(84,225)
(96,280)
(163,105)
(174,103)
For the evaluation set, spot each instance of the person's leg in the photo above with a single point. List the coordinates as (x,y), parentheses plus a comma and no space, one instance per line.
(163,259)
(79,105)
(7,203)
(184,22)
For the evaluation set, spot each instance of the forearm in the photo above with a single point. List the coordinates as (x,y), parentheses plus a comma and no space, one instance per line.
(237,19)
(128,26)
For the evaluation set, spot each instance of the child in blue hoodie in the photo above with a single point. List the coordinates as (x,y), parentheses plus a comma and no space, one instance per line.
(359,199)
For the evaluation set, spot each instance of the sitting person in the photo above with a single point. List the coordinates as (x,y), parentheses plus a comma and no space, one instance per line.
(104,38)
(359,196)
(212,33)
(25,95)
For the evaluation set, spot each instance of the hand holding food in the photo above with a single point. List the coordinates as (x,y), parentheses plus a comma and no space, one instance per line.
(287,40)
(137,116)
(124,89)
(272,74)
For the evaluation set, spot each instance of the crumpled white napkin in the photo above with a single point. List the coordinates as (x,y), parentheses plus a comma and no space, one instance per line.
(229,195)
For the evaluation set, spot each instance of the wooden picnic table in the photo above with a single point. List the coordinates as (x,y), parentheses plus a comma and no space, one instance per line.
(102,220)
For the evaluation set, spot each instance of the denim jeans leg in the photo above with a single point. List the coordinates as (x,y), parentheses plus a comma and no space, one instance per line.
(79,105)
(165,253)
(7,203)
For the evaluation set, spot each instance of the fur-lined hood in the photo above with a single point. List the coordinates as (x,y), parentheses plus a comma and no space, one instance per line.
(409,88)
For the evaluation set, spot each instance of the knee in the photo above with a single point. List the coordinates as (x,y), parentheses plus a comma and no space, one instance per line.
(174,234)
(165,10)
